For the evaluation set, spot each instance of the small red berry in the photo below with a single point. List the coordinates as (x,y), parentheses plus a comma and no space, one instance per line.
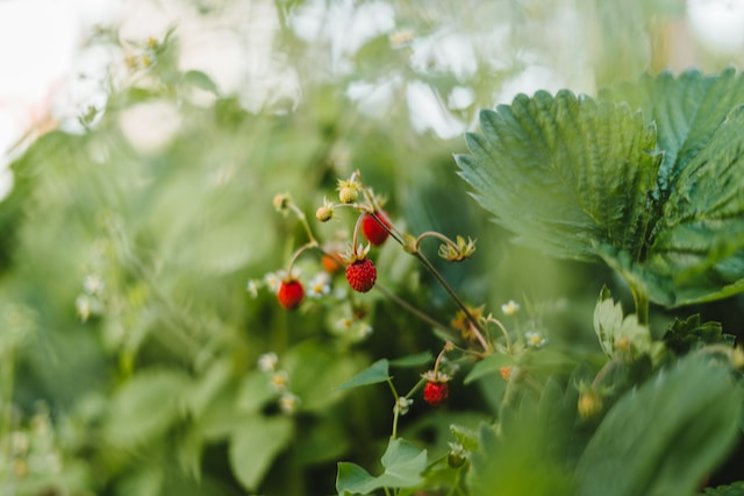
(372,230)
(361,275)
(290,294)
(435,392)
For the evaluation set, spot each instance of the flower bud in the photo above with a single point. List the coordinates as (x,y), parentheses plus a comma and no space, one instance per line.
(590,404)
(324,213)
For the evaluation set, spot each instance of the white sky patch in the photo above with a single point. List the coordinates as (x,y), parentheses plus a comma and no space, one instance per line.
(530,80)
(446,52)
(149,127)
(346,24)
(428,113)
(460,98)
(373,99)
(718,24)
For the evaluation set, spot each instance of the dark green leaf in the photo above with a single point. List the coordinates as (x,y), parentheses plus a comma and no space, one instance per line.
(666,436)
(684,335)
(416,360)
(735,489)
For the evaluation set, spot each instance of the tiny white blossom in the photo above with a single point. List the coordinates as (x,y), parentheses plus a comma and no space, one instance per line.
(252,288)
(535,339)
(402,405)
(83,307)
(273,281)
(510,308)
(364,330)
(280,380)
(344,324)
(319,285)
(288,403)
(267,362)
(93,284)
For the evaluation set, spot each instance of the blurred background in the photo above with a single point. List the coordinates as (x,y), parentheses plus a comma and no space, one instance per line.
(141,144)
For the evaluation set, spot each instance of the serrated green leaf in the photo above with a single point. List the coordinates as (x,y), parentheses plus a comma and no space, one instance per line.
(664,437)
(375,373)
(735,489)
(564,173)
(254,444)
(583,179)
(145,407)
(685,335)
(402,462)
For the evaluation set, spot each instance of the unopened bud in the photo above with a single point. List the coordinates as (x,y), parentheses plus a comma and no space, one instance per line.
(324,213)
(590,404)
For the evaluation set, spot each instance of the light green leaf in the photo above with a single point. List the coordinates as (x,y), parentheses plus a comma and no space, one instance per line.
(145,407)
(663,438)
(488,366)
(376,373)
(402,463)
(201,80)
(565,173)
(254,445)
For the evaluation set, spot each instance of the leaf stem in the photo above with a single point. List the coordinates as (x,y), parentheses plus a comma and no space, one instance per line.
(640,298)
(411,309)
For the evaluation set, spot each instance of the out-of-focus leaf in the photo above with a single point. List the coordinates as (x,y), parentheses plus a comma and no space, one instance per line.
(254,444)
(402,463)
(145,407)
(416,360)
(620,334)
(376,373)
(735,489)
(201,80)
(660,438)
(488,366)
(685,335)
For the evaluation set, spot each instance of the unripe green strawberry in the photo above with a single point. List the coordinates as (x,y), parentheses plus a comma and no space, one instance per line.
(372,230)
(361,275)
(290,294)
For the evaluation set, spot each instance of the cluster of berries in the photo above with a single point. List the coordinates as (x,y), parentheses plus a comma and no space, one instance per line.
(361,273)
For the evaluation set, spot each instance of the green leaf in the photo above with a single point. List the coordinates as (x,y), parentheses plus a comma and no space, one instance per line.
(664,437)
(402,462)
(201,80)
(565,173)
(488,366)
(416,360)
(695,243)
(685,335)
(145,407)
(660,201)
(254,445)
(735,489)
(376,373)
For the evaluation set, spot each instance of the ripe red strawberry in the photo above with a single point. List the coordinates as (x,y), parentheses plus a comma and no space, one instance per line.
(361,275)
(435,392)
(372,230)
(290,294)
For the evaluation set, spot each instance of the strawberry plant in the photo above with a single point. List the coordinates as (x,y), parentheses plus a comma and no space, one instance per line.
(164,330)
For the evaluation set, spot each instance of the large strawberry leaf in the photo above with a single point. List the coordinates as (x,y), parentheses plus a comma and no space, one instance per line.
(582,179)
(564,173)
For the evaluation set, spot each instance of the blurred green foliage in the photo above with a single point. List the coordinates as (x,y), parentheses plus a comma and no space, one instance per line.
(129,344)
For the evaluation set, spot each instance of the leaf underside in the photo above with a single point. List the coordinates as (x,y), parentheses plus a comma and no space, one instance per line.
(648,177)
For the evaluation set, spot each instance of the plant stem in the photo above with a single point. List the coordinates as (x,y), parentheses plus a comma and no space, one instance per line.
(434,234)
(411,309)
(303,220)
(640,298)
(606,368)
(396,409)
